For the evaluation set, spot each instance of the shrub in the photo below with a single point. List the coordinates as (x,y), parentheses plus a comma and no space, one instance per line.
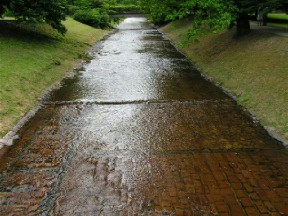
(72,9)
(114,9)
(93,17)
(8,13)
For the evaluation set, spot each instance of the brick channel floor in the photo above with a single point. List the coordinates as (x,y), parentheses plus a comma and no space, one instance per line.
(141,132)
(70,168)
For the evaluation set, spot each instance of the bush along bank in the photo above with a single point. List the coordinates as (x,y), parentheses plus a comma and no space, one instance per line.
(96,13)
(251,67)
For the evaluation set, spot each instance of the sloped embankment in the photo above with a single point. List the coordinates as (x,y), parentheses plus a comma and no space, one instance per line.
(254,68)
(34,57)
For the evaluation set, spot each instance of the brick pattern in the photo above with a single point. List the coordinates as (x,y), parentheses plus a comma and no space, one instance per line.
(62,166)
(180,184)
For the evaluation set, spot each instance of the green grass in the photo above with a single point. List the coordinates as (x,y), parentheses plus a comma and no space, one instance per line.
(254,68)
(279,25)
(279,16)
(34,57)
(279,20)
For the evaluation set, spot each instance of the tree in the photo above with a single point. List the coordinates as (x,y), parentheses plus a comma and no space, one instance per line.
(207,15)
(246,7)
(84,4)
(49,11)
(90,12)
(3,4)
(128,2)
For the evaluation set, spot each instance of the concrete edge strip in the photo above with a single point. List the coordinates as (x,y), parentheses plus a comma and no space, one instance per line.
(11,136)
(93,102)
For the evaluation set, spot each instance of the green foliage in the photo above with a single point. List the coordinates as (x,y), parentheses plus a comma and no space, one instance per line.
(3,6)
(88,4)
(251,6)
(207,15)
(127,2)
(75,5)
(93,17)
(8,13)
(49,11)
(114,9)
(90,12)
(212,15)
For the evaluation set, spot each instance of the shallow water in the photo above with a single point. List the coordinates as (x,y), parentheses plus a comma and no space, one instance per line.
(137,63)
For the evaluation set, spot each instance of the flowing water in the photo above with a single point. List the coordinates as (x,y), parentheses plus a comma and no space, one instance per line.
(141,132)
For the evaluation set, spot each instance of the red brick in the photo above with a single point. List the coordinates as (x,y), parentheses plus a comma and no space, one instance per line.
(252,211)
(246,202)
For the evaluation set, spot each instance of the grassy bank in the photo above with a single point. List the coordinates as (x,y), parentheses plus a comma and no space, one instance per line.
(278,25)
(279,16)
(278,20)
(254,68)
(34,57)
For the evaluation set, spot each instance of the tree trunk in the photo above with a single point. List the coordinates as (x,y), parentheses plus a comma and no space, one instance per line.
(256,15)
(243,24)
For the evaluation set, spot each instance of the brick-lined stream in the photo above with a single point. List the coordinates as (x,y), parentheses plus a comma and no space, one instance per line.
(140,132)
